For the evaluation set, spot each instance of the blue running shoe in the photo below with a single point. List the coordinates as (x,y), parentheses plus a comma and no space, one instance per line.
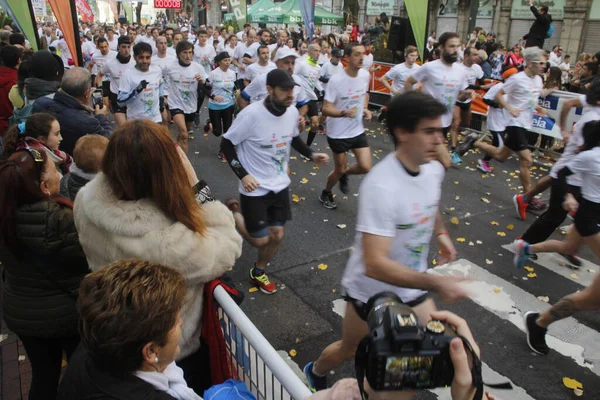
(315,383)
(455,158)
(521,254)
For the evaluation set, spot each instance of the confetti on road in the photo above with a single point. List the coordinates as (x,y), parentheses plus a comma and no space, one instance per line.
(460,240)
(341,226)
(510,227)
(322,267)
(495,223)
(488,262)
(574,276)
(486,201)
(295,198)
(545,299)
(478,242)
(532,275)
(253,289)
(454,220)
(501,234)
(456,182)
(293,353)
(528,269)
(303,180)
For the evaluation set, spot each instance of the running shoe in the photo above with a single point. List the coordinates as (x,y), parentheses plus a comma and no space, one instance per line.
(521,206)
(221,156)
(327,200)
(484,166)
(572,259)
(207,127)
(521,253)
(262,282)
(315,383)
(536,205)
(196,119)
(232,204)
(322,130)
(536,335)
(467,145)
(455,158)
(344,183)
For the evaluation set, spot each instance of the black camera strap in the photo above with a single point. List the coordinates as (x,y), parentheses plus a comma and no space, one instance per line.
(360,363)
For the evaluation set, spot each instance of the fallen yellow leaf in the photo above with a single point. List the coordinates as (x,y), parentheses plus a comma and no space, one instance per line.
(322,267)
(532,275)
(501,234)
(574,276)
(485,200)
(456,182)
(528,269)
(496,290)
(303,180)
(454,220)
(253,289)
(295,198)
(510,227)
(460,240)
(494,223)
(572,383)
(293,353)
(315,167)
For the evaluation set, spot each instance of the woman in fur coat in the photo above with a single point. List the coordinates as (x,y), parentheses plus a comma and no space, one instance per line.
(142,206)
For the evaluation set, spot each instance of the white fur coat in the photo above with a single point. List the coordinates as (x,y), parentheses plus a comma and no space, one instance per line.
(110,229)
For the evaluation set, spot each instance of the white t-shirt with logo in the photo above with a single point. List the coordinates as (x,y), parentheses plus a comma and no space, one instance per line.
(263,143)
(98,60)
(496,117)
(309,78)
(473,73)
(587,166)
(396,205)
(255,70)
(183,86)
(345,92)
(115,70)
(113,44)
(209,51)
(328,70)
(240,50)
(398,75)
(443,83)
(523,93)
(222,85)
(144,105)
(257,90)
(367,62)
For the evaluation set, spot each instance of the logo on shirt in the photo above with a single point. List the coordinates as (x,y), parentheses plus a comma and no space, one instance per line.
(404,227)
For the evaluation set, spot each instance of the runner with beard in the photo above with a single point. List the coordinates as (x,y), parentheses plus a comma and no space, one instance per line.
(115,69)
(257,148)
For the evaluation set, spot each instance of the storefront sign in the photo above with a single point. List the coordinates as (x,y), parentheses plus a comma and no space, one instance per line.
(448,8)
(520,9)
(486,9)
(376,7)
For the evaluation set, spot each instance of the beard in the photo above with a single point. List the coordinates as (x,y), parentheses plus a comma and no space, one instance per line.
(450,58)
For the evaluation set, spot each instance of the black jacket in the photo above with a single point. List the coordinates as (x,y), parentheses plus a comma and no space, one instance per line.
(540,26)
(70,185)
(84,381)
(41,283)
(75,119)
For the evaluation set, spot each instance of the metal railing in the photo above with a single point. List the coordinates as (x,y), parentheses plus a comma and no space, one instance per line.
(252,358)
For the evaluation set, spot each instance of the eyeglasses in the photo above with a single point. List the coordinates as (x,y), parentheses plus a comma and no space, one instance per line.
(539,62)
(37,157)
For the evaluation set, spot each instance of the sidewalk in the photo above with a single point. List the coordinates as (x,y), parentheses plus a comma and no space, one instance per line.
(16,375)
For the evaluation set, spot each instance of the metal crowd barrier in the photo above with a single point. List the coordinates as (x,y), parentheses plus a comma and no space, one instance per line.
(252,358)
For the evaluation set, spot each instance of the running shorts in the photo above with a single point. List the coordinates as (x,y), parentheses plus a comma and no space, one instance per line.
(340,146)
(261,212)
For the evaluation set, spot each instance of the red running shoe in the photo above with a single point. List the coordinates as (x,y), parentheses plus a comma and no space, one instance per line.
(262,282)
(520,206)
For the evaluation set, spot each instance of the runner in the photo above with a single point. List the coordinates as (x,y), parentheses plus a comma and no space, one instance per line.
(400,72)
(331,68)
(161,60)
(115,69)
(523,90)
(257,147)
(182,77)
(100,57)
(309,72)
(141,87)
(221,98)
(113,40)
(262,66)
(397,216)
(204,54)
(239,59)
(345,104)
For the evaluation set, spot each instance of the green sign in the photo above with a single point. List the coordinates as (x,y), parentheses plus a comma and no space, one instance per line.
(595,10)
(228,17)
(520,9)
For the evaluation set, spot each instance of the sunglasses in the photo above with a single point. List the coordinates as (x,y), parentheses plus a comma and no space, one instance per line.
(37,157)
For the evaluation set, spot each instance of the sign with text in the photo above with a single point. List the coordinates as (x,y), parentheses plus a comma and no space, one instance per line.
(486,9)
(548,125)
(376,7)
(167,3)
(521,10)
(448,8)
(39,8)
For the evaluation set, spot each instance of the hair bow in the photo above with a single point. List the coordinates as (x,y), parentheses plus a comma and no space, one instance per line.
(21,127)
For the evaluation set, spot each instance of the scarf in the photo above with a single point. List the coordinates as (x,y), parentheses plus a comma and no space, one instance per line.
(310,61)
(36,88)
(123,60)
(170,381)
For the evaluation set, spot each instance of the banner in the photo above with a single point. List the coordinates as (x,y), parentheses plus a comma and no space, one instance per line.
(486,9)
(417,13)
(307,9)
(553,104)
(63,12)
(39,8)
(84,10)
(376,7)
(21,13)
(240,11)
(520,9)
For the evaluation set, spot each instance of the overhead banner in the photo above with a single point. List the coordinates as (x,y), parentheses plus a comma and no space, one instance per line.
(64,12)
(21,12)
(239,10)
(84,10)
(307,9)
(521,10)
(417,14)
(376,7)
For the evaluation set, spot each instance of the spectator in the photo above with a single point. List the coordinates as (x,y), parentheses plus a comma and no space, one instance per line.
(485,64)
(11,58)
(497,62)
(589,75)
(87,157)
(490,44)
(47,38)
(17,92)
(539,28)
(583,58)
(70,105)
(142,206)
(17,39)
(130,329)
(43,265)
(5,38)
(513,59)
(565,67)
(555,58)
(46,74)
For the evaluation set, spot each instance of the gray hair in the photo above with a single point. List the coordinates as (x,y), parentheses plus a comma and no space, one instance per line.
(531,54)
(76,82)
(312,46)
(4,36)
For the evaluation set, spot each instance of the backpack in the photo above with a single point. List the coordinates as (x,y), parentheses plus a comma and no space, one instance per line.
(550,31)
(21,114)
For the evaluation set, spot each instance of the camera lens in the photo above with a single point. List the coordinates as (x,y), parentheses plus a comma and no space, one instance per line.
(401,314)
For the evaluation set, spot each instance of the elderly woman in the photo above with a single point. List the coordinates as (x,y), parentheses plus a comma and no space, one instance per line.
(130,332)
(142,206)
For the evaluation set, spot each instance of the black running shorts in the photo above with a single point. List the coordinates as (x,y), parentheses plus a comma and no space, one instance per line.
(177,111)
(261,212)
(516,138)
(587,219)
(344,145)
(105,88)
(112,97)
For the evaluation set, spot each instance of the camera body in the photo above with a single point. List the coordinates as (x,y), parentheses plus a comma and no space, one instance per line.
(401,354)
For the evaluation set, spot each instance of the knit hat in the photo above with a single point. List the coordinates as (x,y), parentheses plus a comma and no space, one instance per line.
(45,66)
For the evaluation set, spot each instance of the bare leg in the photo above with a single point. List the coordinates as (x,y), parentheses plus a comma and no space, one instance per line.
(363,162)
(182,132)
(540,186)
(568,246)
(120,118)
(456,118)
(340,163)
(497,154)
(525,163)
(267,252)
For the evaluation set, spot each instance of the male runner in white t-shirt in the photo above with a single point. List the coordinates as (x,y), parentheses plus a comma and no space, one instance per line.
(161,59)
(262,66)
(239,58)
(257,147)
(398,215)
(400,72)
(345,104)
(115,69)
(101,56)
(204,54)
(309,71)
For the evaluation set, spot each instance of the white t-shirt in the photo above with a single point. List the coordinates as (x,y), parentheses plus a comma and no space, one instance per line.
(257,90)
(399,73)
(252,50)
(473,73)
(222,85)
(328,70)
(572,147)
(171,52)
(113,44)
(263,144)
(367,62)
(200,52)
(183,86)
(115,70)
(396,205)
(323,58)
(587,166)
(162,62)
(255,70)
(496,117)
(231,51)
(443,83)
(144,105)
(240,50)
(87,48)
(309,78)
(523,93)
(98,60)
(65,53)
(345,92)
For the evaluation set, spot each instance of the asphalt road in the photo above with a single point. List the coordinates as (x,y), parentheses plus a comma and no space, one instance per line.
(300,315)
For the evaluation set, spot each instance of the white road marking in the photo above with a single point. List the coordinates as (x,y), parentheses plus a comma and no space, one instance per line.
(553,261)
(568,337)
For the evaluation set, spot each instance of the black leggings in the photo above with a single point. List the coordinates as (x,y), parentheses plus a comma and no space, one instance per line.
(45,356)
(221,120)
(547,223)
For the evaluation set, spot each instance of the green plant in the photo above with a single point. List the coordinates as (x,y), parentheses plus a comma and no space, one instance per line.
(380,51)
(5,19)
